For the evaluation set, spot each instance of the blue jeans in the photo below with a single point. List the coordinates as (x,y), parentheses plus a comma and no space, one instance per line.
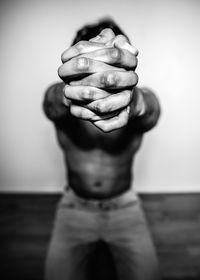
(118,221)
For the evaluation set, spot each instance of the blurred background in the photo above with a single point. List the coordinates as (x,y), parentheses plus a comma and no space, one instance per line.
(33,34)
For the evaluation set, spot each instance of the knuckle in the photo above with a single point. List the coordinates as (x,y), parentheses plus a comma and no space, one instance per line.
(82,63)
(115,54)
(87,94)
(110,79)
(81,45)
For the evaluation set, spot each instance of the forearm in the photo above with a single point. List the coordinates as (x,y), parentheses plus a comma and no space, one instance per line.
(53,103)
(145,109)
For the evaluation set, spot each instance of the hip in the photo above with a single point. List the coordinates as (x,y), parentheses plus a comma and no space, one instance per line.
(70,199)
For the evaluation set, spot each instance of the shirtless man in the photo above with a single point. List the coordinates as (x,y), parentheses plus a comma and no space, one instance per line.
(100,117)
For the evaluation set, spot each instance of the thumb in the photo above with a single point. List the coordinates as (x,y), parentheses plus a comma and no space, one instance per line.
(104,36)
(121,42)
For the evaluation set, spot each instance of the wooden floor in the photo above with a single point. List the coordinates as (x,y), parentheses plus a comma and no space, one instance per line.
(26,222)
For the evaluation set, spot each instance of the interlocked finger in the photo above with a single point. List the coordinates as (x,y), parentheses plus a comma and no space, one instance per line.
(80,48)
(111,103)
(104,36)
(114,123)
(81,65)
(84,93)
(109,80)
(114,56)
(121,41)
(84,113)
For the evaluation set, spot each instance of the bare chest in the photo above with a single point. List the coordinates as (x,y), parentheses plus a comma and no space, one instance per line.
(83,135)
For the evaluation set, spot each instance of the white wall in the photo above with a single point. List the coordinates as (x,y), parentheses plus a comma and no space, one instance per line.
(32,36)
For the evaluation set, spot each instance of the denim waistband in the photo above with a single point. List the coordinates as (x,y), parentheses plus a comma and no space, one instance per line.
(122,200)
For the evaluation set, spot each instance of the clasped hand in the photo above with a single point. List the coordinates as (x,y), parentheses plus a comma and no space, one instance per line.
(100,77)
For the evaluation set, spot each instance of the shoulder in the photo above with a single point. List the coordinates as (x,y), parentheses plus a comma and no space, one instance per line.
(150,95)
(53,93)
(56,87)
(53,105)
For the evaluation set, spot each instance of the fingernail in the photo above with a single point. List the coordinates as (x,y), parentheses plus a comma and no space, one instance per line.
(130,48)
(95,39)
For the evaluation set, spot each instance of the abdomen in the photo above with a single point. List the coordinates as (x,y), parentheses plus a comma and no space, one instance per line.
(96,174)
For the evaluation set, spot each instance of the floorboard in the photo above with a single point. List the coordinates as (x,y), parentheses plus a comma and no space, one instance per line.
(26,221)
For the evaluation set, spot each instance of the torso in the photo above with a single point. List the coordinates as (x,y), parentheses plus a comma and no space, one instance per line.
(98,164)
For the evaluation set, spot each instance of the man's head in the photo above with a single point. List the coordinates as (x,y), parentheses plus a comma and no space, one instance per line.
(92,30)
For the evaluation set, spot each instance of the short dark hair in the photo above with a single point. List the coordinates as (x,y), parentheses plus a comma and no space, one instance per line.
(92,30)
